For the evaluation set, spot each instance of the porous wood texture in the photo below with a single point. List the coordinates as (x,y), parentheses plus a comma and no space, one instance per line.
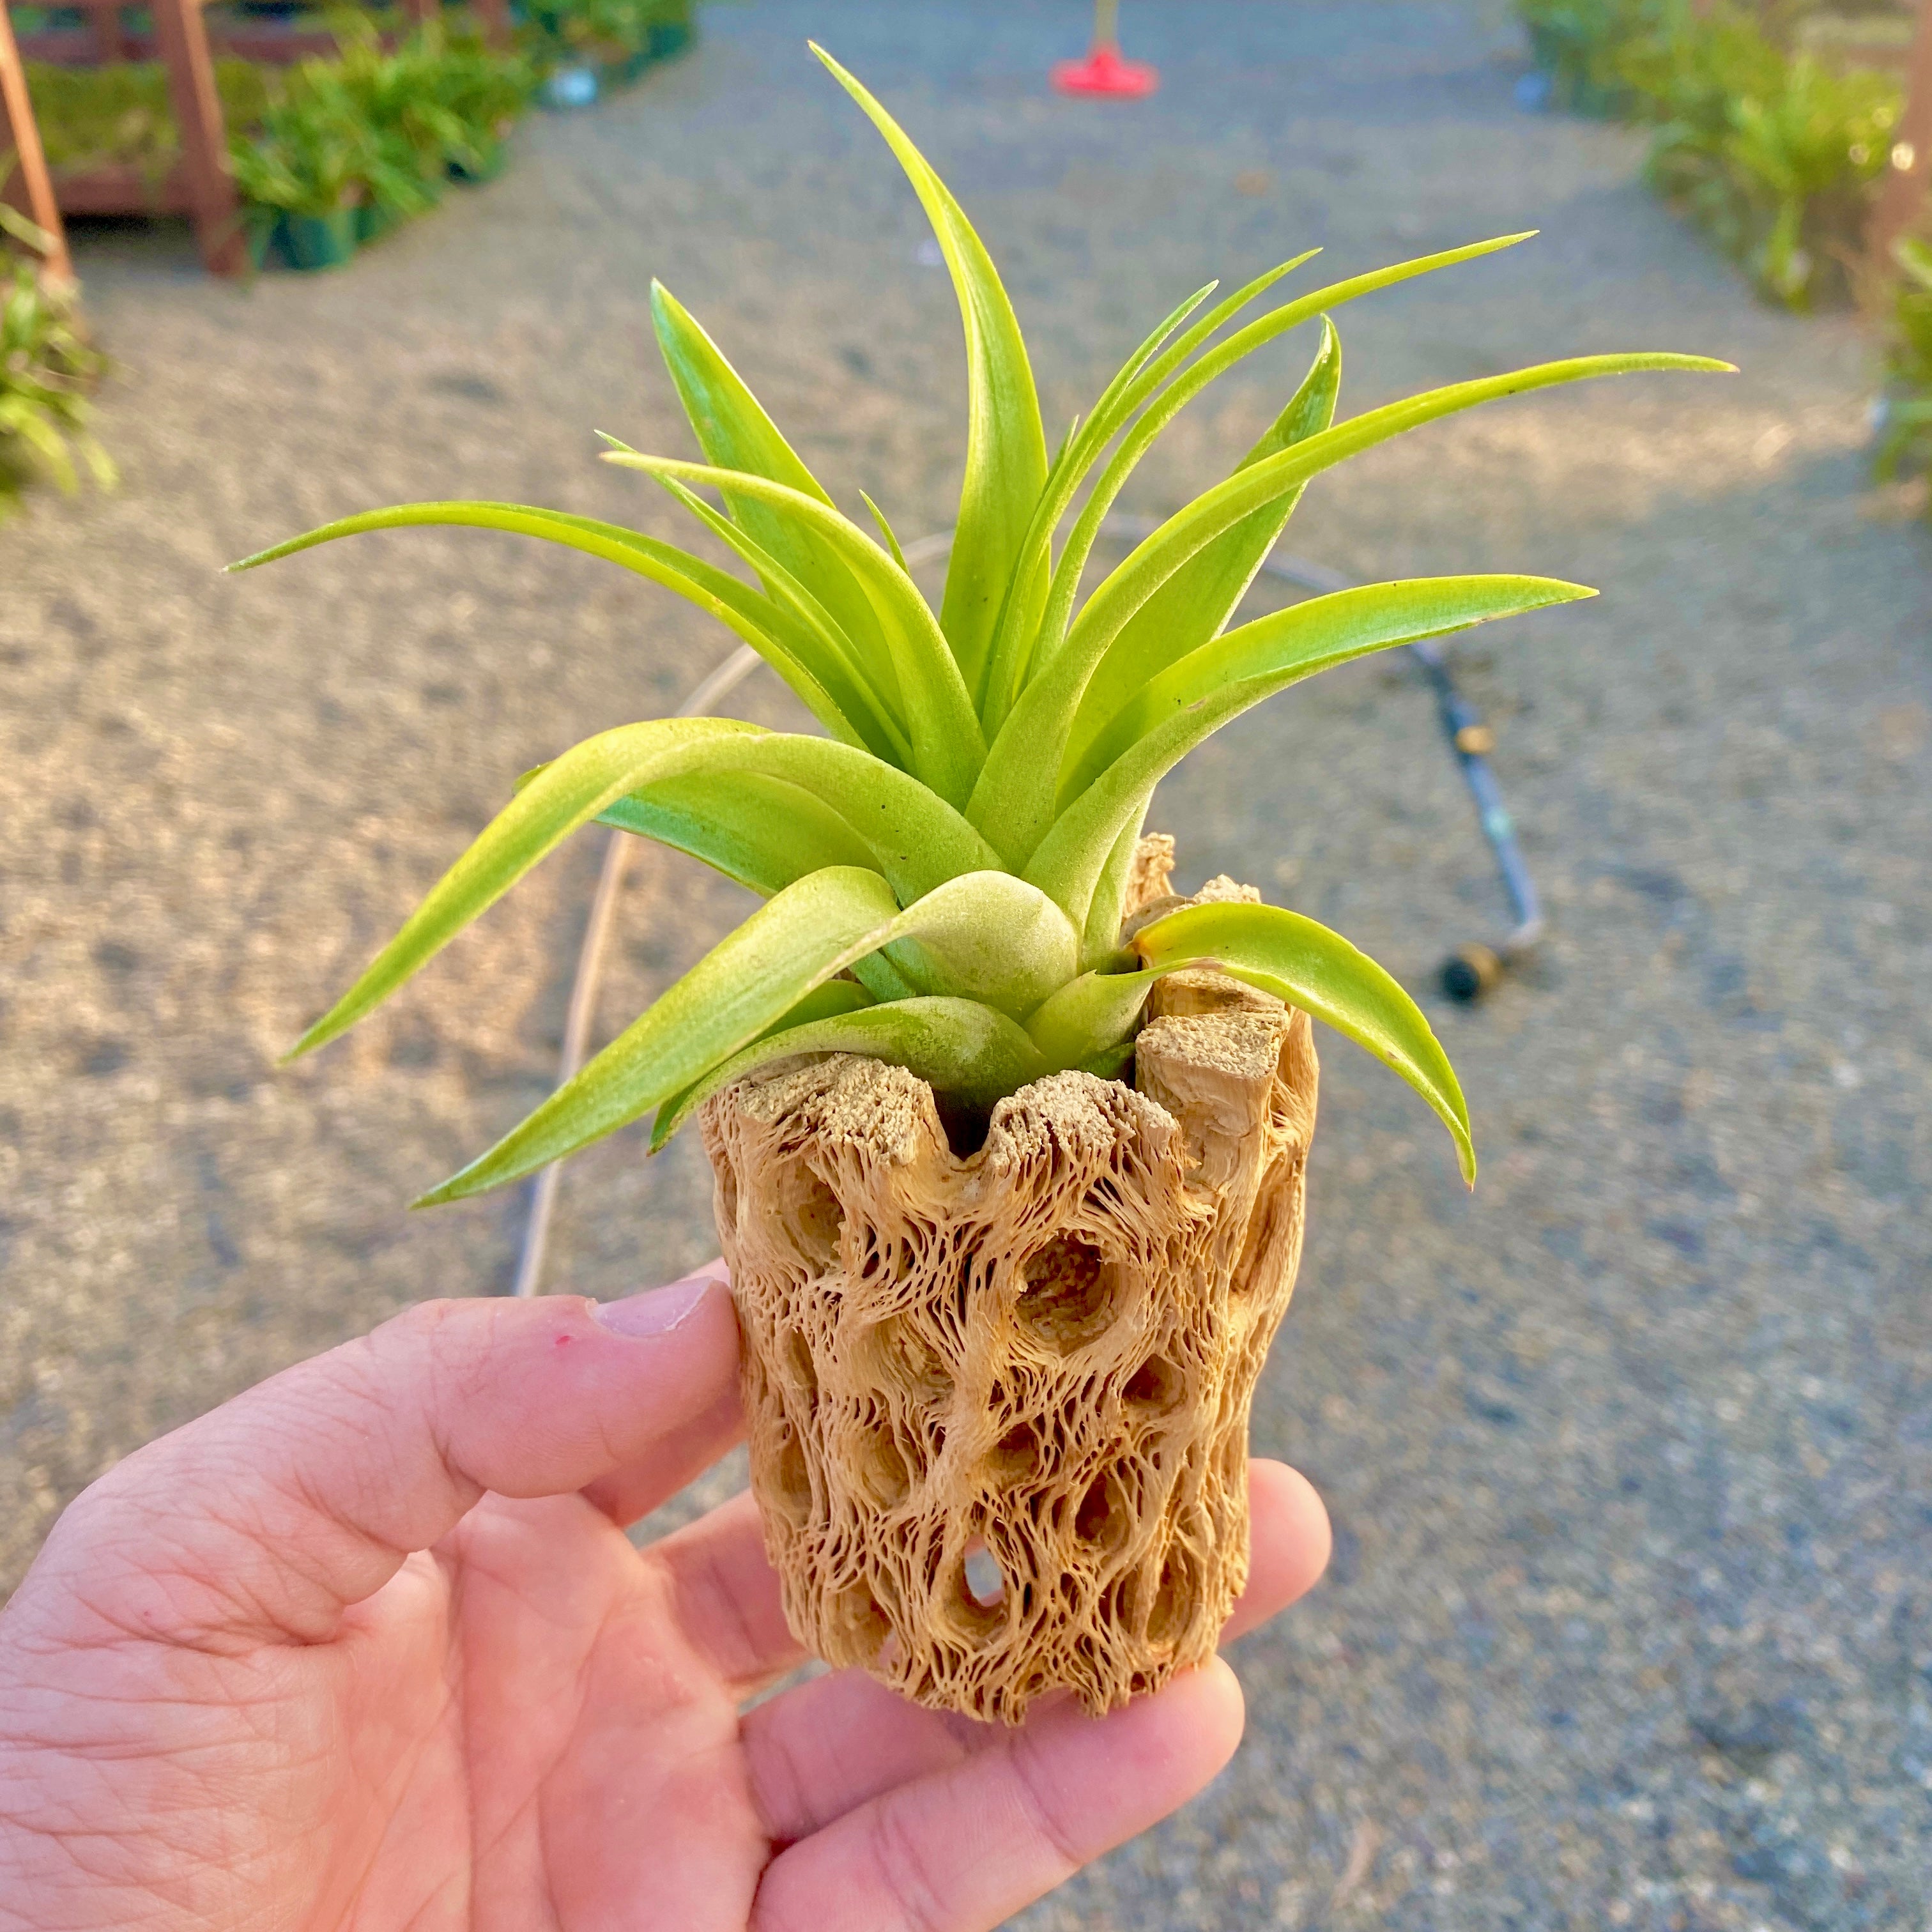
(999,1404)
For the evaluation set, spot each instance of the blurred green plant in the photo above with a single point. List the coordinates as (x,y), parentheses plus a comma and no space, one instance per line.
(1774,152)
(313,155)
(383,127)
(46,367)
(96,116)
(1905,440)
(1775,156)
(606,33)
(1579,44)
(380,126)
(448,98)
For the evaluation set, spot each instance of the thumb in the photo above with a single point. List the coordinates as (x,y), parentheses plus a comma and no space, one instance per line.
(263,1520)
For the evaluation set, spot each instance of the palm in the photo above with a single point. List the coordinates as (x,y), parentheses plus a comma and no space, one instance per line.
(532,1737)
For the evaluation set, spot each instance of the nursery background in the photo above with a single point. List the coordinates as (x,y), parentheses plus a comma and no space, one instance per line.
(1629,1452)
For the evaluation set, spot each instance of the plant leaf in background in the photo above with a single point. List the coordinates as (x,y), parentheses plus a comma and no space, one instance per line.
(1765,136)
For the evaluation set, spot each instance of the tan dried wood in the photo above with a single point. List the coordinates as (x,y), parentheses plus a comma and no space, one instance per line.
(998,1403)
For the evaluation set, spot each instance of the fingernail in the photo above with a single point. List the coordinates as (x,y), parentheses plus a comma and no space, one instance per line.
(659,1311)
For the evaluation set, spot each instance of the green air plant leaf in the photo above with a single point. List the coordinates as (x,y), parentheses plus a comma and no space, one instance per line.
(1162,408)
(768,629)
(1013,803)
(919,841)
(1318,970)
(947,745)
(763,832)
(1192,606)
(1192,699)
(1100,934)
(1005,446)
(963,1051)
(990,937)
(584,782)
(1017,635)
(804,936)
(833,1000)
(828,647)
(736,433)
(944,871)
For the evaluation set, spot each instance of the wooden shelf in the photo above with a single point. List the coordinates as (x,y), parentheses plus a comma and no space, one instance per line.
(121,189)
(27,185)
(199,185)
(76,46)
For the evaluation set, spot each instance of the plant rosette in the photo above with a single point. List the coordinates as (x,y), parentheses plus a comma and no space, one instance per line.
(1008,1142)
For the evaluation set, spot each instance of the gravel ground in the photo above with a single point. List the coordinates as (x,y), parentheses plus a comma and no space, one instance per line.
(1629,1622)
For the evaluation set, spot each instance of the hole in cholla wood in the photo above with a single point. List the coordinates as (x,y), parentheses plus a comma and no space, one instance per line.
(984,1582)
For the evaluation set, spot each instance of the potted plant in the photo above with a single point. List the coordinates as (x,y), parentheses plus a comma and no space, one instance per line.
(308,165)
(616,39)
(1008,1141)
(483,90)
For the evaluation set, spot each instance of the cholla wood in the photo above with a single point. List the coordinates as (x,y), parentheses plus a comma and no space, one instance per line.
(1042,1355)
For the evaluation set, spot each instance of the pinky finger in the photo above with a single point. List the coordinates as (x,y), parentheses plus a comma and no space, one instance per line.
(962,1850)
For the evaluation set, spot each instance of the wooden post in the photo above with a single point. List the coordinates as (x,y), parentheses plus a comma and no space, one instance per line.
(110,44)
(182,38)
(1902,193)
(499,29)
(28,186)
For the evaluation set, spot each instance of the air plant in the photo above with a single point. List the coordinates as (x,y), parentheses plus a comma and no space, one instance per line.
(944,869)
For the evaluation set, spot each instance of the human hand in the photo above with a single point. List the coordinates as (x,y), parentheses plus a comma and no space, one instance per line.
(366,1648)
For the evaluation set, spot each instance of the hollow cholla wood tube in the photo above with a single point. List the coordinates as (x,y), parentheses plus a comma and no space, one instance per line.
(999,1404)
